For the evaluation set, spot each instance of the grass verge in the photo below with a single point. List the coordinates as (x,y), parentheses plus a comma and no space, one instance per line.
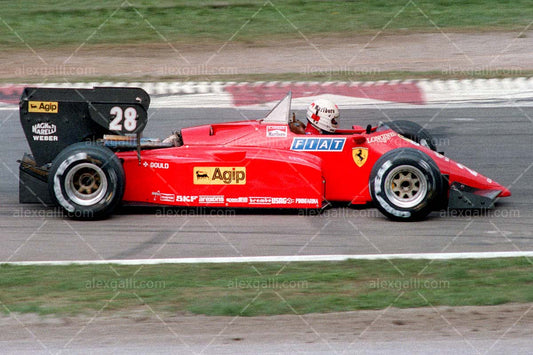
(43,23)
(264,289)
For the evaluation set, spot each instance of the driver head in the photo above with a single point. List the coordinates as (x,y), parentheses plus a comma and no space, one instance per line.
(323,115)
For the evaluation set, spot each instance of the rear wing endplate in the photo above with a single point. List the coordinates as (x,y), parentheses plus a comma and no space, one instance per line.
(53,118)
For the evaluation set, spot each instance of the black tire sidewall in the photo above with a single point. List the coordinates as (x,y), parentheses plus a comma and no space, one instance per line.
(99,156)
(416,159)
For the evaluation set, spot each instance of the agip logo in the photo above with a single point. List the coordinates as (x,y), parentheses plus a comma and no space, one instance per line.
(43,106)
(219,175)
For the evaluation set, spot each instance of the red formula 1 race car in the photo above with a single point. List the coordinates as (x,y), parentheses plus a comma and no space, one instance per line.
(88,157)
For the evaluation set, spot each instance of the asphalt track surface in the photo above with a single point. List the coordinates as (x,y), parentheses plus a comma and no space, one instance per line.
(495,141)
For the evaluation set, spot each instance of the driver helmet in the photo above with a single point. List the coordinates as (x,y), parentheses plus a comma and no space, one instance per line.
(323,115)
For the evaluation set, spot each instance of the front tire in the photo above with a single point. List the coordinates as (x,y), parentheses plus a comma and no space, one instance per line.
(87,181)
(405,184)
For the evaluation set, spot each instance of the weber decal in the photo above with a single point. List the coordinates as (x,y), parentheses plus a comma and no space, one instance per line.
(312,144)
(44,131)
(43,106)
(219,175)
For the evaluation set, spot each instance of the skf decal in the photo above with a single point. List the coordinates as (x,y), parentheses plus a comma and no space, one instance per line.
(309,144)
(360,155)
(42,106)
(186,198)
(219,176)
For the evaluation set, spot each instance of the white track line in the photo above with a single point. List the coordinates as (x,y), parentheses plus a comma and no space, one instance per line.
(271,259)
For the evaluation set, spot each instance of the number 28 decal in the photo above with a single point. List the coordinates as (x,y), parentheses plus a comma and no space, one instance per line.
(126,119)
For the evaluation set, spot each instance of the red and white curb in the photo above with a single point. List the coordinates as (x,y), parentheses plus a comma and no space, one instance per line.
(478,90)
(345,94)
(283,259)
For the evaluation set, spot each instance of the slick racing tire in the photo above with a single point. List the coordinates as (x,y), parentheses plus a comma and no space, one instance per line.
(414,132)
(87,181)
(405,184)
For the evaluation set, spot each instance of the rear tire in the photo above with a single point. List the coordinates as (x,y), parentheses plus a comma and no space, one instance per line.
(87,181)
(414,132)
(405,184)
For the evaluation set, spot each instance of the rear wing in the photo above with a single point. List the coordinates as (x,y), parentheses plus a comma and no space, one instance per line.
(53,119)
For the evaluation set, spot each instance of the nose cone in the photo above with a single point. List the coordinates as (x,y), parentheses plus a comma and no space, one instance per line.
(467,181)
(505,192)
(487,184)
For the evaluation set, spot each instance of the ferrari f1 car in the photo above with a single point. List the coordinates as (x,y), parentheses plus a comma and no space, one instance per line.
(89,156)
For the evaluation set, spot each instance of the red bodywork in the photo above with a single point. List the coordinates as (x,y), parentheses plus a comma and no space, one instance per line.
(263,164)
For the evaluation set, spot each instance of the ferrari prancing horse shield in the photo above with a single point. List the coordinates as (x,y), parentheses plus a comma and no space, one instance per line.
(360,155)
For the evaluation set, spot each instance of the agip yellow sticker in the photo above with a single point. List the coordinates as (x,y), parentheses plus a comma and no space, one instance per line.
(219,175)
(43,106)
